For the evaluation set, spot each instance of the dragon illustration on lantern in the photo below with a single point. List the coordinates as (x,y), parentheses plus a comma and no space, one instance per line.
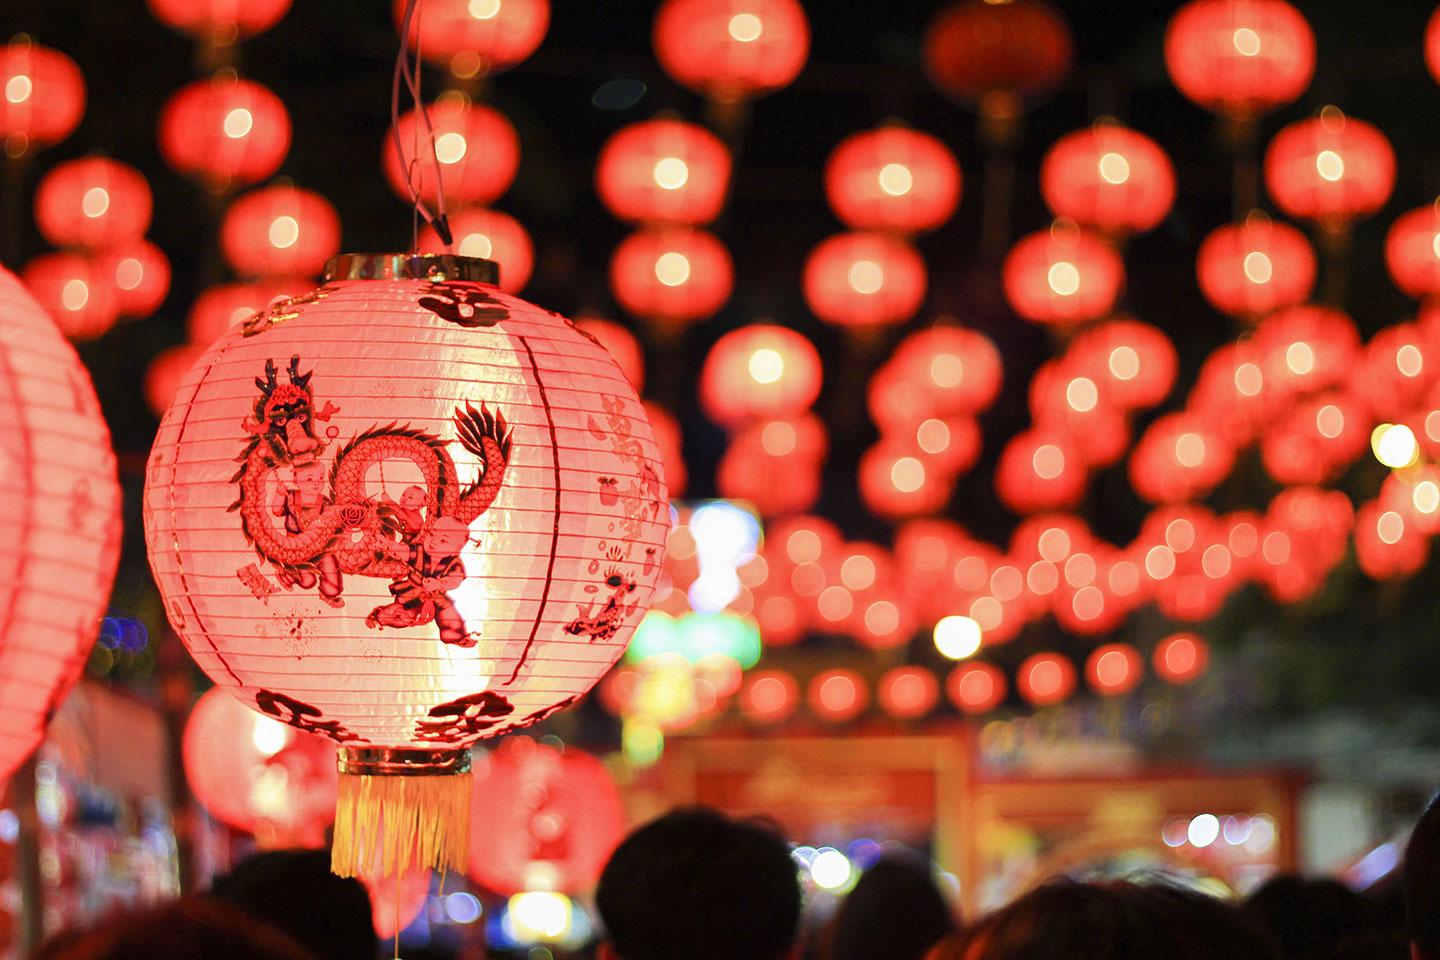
(329,527)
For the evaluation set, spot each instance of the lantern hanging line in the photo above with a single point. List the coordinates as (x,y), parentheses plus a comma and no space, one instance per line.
(408,73)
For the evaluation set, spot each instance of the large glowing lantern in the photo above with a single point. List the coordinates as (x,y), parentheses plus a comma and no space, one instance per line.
(43,96)
(446,520)
(1040,470)
(1062,277)
(672,276)
(544,819)
(665,171)
(489,235)
(1412,252)
(1331,169)
(864,280)
(759,371)
(94,203)
(62,508)
(256,774)
(1132,364)
(1011,50)
(1179,457)
(1108,177)
(280,231)
(224,131)
(1240,57)
(220,20)
(732,50)
(476,148)
(81,297)
(139,273)
(893,178)
(1250,268)
(475,37)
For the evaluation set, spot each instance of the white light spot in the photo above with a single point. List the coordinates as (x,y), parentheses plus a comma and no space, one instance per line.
(1114,168)
(907,474)
(1124,363)
(766,365)
(284,232)
(95,203)
(451,147)
(1203,830)
(18,88)
(75,294)
(1246,41)
(477,245)
(1258,268)
(957,637)
(238,123)
(866,276)
(483,9)
(1081,394)
(830,869)
(896,179)
(670,173)
(1300,358)
(745,27)
(1330,165)
(672,268)
(1048,461)
(1064,278)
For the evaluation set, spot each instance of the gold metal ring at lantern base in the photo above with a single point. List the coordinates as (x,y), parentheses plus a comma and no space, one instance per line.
(402,762)
(436,267)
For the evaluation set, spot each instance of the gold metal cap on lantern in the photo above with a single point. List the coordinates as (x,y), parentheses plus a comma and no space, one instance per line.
(435,267)
(400,808)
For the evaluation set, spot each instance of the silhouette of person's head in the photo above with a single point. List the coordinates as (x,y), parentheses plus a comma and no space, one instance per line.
(1308,918)
(696,885)
(895,912)
(294,891)
(182,930)
(1420,878)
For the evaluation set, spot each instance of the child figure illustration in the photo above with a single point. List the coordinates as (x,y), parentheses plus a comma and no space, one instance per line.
(422,595)
(300,504)
(410,511)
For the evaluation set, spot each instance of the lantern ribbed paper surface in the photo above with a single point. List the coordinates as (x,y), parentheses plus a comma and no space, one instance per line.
(60,514)
(406,513)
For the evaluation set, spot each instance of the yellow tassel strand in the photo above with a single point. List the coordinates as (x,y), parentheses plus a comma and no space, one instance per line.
(390,825)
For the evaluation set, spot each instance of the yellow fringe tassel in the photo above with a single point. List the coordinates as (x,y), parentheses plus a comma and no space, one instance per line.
(390,825)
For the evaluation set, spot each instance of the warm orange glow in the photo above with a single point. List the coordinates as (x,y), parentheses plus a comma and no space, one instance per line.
(1110,178)
(279,231)
(94,203)
(1250,268)
(1062,278)
(476,144)
(1333,172)
(672,275)
(729,54)
(759,371)
(663,171)
(225,131)
(864,280)
(893,178)
(1240,57)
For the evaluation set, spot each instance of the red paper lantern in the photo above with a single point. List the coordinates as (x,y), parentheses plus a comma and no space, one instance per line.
(897,480)
(1432,45)
(1114,668)
(670,441)
(1179,458)
(279,231)
(864,280)
(1132,364)
(769,696)
(1064,398)
(139,273)
(1307,348)
(476,37)
(1331,169)
(258,775)
(544,819)
(1250,268)
(166,370)
(663,171)
(976,687)
(94,203)
(1181,657)
(672,276)
(958,370)
(1020,49)
(1040,470)
(1316,440)
(907,693)
(221,21)
(227,305)
(1412,252)
(759,371)
(893,178)
(732,50)
(352,530)
(224,131)
(1304,535)
(775,466)
(1415,493)
(1397,369)
(80,297)
(837,695)
(489,235)
(1062,277)
(1388,544)
(621,344)
(1240,57)
(1110,178)
(476,148)
(43,96)
(63,511)
(1045,679)
(1233,394)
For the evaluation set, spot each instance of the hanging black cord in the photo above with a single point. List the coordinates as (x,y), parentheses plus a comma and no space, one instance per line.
(408,76)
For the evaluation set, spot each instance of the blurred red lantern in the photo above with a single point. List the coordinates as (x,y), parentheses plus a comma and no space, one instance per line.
(1415,494)
(220,21)
(1114,668)
(1240,57)
(280,231)
(1412,252)
(759,371)
(951,445)
(224,131)
(1040,470)
(775,465)
(1132,364)
(1014,50)
(976,687)
(94,203)
(668,438)
(1110,178)
(258,775)
(907,693)
(1179,458)
(896,480)
(958,369)
(166,370)
(1100,601)
(1232,393)
(1250,268)
(61,511)
(1398,367)
(225,305)
(864,280)
(476,148)
(1065,399)
(1181,657)
(542,818)
(1316,440)
(1304,535)
(139,273)
(732,50)
(489,235)
(837,695)
(769,696)
(1062,277)
(44,96)
(663,171)
(476,37)
(1052,538)
(1432,45)
(82,299)
(620,343)
(1045,679)
(1331,169)
(672,276)
(1307,348)
(893,178)
(1388,544)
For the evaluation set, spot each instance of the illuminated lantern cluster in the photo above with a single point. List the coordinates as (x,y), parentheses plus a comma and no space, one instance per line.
(1331,169)
(1304,535)
(224,131)
(1240,58)
(1251,268)
(671,276)
(863,281)
(732,50)
(1181,658)
(893,178)
(220,22)
(1108,178)
(62,509)
(1062,277)
(473,38)
(279,231)
(663,171)
(42,96)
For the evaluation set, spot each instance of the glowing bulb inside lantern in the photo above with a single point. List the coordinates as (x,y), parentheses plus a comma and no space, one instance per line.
(778,438)
(128,273)
(18,88)
(238,123)
(1081,394)
(268,736)
(670,173)
(946,370)
(1425,496)
(1409,360)
(284,232)
(75,294)
(858,572)
(1114,168)
(1390,527)
(957,637)
(766,365)
(1330,421)
(932,436)
(539,915)
(483,9)
(1246,41)
(672,268)
(745,27)
(1249,380)
(1394,445)
(1300,358)
(1064,278)
(830,869)
(95,202)
(865,276)
(1258,268)
(1330,165)
(451,147)
(477,245)
(1048,461)
(1190,449)
(907,474)
(896,179)
(1124,363)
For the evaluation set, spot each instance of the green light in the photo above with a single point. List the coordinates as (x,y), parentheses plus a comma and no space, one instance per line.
(656,634)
